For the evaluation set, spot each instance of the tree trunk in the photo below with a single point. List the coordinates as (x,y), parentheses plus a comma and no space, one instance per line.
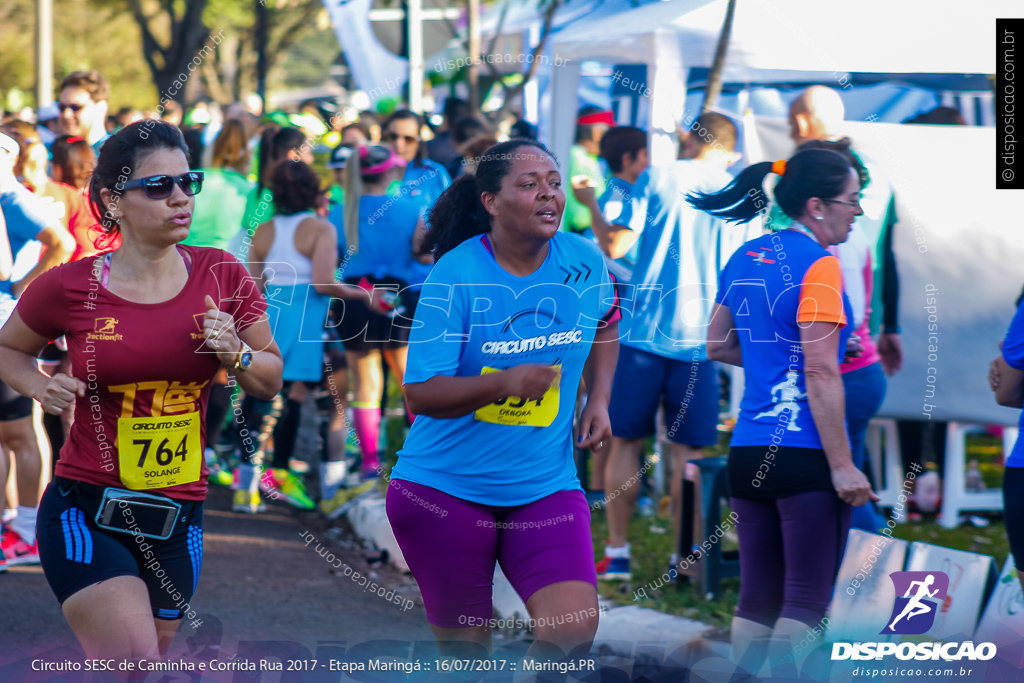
(169,64)
(216,82)
(241,52)
(714,87)
(514,91)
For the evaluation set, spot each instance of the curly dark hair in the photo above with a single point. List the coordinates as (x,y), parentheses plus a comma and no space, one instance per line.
(296,187)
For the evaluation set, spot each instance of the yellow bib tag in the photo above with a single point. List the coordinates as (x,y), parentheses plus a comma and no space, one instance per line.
(514,410)
(156,452)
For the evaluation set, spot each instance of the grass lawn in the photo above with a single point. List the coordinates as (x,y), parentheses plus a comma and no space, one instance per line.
(652,541)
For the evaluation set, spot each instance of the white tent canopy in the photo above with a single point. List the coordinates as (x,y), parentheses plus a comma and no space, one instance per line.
(770,37)
(906,36)
(953,236)
(519,19)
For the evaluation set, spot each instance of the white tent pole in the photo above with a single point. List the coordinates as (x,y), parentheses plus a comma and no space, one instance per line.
(531,91)
(416,71)
(564,85)
(666,83)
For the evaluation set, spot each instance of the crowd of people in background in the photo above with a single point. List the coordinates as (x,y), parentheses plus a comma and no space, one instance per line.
(341,224)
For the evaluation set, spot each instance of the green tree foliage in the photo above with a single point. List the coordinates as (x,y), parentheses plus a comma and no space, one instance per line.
(87,35)
(142,46)
(232,72)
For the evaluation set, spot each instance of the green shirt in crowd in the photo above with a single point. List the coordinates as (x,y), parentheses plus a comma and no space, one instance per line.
(219,209)
(577,216)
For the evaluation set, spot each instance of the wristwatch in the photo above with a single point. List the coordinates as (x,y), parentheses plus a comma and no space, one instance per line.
(244,360)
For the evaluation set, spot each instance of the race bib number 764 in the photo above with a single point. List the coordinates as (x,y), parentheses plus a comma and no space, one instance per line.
(156,452)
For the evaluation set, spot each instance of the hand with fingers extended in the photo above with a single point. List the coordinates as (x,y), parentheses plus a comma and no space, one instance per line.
(595,425)
(59,392)
(220,333)
(852,486)
(584,190)
(530,380)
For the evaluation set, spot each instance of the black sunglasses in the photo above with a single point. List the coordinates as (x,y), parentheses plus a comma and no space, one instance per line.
(854,205)
(395,137)
(73,107)
(161,186)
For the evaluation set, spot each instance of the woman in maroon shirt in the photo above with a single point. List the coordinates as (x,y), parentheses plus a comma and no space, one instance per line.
(147,326)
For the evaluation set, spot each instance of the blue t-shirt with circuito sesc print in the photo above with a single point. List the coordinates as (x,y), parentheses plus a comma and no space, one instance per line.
(474,317)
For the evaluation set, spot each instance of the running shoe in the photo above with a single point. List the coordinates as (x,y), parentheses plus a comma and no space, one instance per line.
(283,484)
(219,474)
(16,550)
(344,500)
(248,502)
(614,569)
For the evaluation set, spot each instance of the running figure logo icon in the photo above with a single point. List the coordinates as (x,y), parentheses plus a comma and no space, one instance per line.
(918,597)
(784,398)
(105,325)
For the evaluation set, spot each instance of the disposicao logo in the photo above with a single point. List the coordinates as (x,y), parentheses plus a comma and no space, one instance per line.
(918,598)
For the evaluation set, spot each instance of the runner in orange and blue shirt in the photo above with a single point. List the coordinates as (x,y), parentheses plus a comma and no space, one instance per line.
(781,313)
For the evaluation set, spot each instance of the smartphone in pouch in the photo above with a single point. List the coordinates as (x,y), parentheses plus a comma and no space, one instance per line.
(142,514)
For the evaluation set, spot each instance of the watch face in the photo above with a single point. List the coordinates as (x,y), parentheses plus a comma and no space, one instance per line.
(245,362)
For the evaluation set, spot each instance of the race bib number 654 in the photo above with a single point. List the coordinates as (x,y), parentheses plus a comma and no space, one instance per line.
(517,411)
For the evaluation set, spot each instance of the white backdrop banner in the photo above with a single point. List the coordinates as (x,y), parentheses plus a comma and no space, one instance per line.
(1003,620)
(970,577)
(376,70)
(864,595)
(959,249)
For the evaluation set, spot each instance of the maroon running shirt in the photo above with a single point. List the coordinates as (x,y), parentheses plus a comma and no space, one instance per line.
(146,368)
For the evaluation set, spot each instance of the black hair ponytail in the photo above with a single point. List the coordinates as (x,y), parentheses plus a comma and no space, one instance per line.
(809,173)
(265,157)
(456,216)
(739,201)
